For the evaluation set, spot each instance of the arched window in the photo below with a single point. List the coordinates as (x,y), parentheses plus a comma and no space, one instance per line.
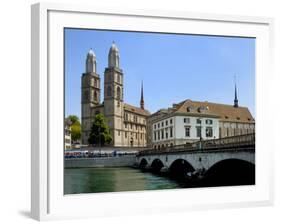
(118,78)
(108,92)
(95,96)
(118,93)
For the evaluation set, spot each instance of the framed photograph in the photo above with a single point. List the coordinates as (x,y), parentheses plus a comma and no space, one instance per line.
(148,111)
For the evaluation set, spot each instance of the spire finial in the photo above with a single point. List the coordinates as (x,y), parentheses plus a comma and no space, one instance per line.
(235,94)
(142,100)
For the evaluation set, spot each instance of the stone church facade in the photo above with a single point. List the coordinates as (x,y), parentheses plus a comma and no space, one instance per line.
(127,123)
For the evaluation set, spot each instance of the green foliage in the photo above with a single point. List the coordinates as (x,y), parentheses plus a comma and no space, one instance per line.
(99,131)
(75,127)
(75,131)
(73,119)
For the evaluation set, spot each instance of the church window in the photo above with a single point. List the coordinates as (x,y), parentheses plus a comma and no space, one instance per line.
(118,93)
(108,92)
(118,78)
(95,96)
(86,95)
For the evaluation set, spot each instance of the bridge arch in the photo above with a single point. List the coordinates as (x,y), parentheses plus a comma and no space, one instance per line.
(179,168)
(156,165)
(143,163)
(230,172)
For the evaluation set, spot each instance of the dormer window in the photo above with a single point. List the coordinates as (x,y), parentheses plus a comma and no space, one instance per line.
(238,118)
(226,117)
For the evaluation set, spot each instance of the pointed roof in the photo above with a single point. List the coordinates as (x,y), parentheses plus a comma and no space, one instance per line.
(235,97)
(113,47)
(91,53)
(142,100)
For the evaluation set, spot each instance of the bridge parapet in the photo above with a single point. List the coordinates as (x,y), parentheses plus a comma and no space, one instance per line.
(239,142)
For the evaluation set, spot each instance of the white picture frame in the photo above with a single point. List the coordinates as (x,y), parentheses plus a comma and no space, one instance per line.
(48,201)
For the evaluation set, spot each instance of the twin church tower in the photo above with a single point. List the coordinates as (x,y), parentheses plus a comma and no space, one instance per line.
(127,123)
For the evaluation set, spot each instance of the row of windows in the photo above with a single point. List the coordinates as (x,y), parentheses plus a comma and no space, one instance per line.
(207,121)
(136,119)
(135,125)
(136,135)
(208,132)
(162,123)
(185,120)
(163,135)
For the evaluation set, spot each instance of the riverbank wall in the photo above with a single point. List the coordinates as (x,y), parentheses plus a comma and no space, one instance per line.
(120,161)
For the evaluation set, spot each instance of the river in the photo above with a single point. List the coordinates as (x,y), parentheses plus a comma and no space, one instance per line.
(93,180)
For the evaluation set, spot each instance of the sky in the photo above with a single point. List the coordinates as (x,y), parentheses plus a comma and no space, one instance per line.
(173,67)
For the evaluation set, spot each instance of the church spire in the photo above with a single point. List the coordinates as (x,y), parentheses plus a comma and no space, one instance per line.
(142,100)
(235,96)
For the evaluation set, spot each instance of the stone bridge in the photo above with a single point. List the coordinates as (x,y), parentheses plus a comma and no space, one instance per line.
(227,156)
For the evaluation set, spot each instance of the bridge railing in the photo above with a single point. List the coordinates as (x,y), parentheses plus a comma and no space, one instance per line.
(239,141)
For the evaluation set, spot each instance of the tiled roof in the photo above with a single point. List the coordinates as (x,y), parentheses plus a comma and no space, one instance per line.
(136,110)
(224,111)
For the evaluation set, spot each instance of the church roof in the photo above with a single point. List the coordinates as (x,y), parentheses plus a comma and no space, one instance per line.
(113,47)
(227,113)
(136,110)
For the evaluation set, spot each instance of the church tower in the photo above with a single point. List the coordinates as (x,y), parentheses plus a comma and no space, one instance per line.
(90,93)
(113,95)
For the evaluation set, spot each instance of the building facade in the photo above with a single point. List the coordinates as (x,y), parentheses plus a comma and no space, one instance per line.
(190,121)
(127,123)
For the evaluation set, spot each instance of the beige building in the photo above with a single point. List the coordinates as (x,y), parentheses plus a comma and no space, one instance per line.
(188,121)
(127,123)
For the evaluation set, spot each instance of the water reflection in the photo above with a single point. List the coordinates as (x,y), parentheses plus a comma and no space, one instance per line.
(93,180)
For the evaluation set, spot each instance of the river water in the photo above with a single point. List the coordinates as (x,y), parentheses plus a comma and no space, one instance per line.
(93,180)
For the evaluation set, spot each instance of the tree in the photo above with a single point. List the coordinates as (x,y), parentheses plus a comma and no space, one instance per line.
(99,131)
(73,119)
(75,127)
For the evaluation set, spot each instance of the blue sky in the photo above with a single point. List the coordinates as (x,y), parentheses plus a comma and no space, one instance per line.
(173,67)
